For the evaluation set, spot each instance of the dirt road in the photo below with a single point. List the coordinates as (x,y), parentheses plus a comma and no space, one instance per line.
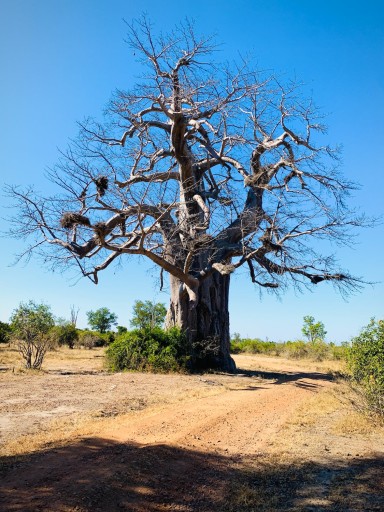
(271,438)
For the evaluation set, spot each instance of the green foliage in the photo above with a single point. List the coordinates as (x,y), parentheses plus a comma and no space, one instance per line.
(339,352)
(252,346)
(147,315)
(30,324)
(91,339)
(65,334)
(121,329)
(313,330)
(366,363)
(148,350)
(5,332)
(30,320)
(298,349)
(102,319)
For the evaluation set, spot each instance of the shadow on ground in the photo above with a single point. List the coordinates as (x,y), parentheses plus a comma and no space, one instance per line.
(100,475)
(284,377)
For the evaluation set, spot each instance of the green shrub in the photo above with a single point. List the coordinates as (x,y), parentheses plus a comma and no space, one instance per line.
(5,332)
(253,346)
(92,339)
(65,334)
(366,363)
(317,350)
(148,350)
(298,349)
(236,347)
(339,352)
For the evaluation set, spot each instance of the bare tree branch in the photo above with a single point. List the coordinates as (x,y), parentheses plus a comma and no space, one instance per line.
(201,168)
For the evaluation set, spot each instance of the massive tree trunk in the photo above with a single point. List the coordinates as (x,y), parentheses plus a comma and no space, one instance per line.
(205,322)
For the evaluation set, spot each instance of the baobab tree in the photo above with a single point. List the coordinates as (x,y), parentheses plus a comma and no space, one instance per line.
(201,168)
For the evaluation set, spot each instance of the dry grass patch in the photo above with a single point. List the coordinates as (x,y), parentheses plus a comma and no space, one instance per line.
(357,419)
(354,422)
(281,364)
(80,359)
(329,426)
(60,432)
(73,397)
(322,404)
(60,358)
(9,357)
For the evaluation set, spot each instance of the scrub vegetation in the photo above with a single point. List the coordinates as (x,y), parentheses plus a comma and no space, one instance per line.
(33,331)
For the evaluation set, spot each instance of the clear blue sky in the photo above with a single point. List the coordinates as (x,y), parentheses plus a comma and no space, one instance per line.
(61,59)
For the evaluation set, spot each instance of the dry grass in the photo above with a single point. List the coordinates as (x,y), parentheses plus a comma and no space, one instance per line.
(325,445)
(9,357)
(81,359)
(281,364)
(319,429)
(58,433)
(309,464)
(355,423)
(62,358)
(43,408)
(358,419)
(335,406)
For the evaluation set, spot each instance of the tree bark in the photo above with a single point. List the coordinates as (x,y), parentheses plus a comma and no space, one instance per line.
(205,322)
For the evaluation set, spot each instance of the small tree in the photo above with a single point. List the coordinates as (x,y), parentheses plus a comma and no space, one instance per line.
(102,319)
(148,314)
(30,324)
(313,330)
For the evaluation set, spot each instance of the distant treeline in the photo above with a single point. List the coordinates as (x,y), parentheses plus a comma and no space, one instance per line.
(298,349)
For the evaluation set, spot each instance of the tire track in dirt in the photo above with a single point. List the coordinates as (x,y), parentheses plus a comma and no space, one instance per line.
(177,457)
(237,421)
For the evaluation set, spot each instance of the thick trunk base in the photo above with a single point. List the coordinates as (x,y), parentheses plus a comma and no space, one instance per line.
(206,322)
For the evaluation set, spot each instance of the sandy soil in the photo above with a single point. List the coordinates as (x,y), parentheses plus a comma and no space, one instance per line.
(280,435)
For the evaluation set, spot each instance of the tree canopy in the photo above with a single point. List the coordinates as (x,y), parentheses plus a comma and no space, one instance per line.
(148,314)
(102,319)
(31,320)
(314,331)
(30,324)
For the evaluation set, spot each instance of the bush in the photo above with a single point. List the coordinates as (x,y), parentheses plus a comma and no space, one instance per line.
(92,339)
(148,350)
(298,349)
(253,346)
(65,334)
(5,332)
(339,352)
(366,363)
